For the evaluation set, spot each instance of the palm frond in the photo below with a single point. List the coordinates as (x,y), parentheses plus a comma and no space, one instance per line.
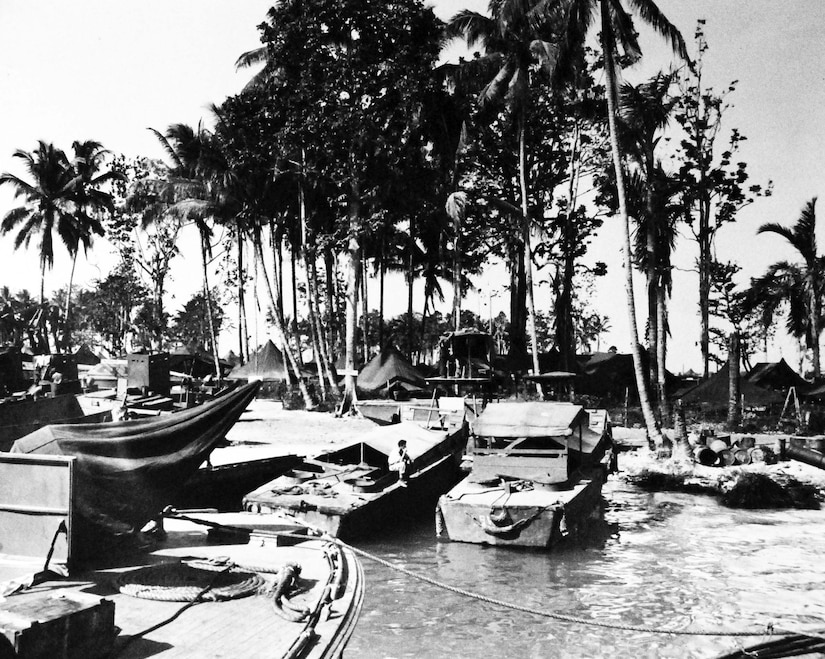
(471,26)
(652,15)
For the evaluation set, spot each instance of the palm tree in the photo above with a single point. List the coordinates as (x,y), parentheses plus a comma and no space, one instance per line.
(645,110)
(88,201)
(45,206)
(802,237)
(616,29)
(514,37)
(192,178)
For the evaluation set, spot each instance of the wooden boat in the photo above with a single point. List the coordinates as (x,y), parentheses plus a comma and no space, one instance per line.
(130,470)
(536,477)
(351,492)
(223,486)
(19,418)
(262,587)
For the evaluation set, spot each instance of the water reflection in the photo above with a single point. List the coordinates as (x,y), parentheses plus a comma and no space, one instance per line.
(660,560)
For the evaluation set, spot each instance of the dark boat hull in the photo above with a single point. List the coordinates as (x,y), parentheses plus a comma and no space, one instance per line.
(349,513)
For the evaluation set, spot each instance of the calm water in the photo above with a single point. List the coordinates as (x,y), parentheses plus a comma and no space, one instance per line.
(664,559)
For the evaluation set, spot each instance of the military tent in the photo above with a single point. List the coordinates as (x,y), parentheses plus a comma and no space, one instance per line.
(389,367)
(266,364)
(713,393)
(84,355)
(776,375)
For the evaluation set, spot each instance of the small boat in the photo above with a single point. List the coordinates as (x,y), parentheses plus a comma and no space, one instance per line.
(536,477)
(351,492)
(22,417)
(129,471)
(223,486)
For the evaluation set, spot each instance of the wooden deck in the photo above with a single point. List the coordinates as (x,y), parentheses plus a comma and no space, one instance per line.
(246,627)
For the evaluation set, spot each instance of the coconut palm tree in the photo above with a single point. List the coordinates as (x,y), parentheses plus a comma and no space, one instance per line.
(192,179)
(645,110)
(45,207)
(802,237)
(89,200)
(616,30)
(515,36)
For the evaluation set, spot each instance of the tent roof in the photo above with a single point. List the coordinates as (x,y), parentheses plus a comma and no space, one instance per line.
(266,364)
(388,366)
(715,391)
(776,375)
(85,355)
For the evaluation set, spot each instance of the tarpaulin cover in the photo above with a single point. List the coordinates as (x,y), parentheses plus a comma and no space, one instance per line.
(529,419)
(128,471)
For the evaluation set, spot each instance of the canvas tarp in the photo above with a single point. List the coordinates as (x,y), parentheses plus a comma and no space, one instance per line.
(529,419)
(389,367)
(128,471)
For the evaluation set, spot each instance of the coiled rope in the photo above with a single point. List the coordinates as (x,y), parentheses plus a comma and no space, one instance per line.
(182,582)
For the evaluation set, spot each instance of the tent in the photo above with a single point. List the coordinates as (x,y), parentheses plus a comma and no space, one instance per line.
(84,355)
(196,364)
(389,367)
(714,392)
(776,375)
(266,364)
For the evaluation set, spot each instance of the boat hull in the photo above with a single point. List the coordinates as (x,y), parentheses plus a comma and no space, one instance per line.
(538,518)
(348,514)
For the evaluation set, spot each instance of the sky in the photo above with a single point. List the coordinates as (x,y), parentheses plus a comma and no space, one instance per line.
(72,70)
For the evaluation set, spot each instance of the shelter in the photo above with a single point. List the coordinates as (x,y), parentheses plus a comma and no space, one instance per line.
(715,392)
(612,375)
(776,375)
(85,355)
(196,364)
(266,364)
(389,367)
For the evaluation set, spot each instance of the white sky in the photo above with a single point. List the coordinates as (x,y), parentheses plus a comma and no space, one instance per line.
(72,70)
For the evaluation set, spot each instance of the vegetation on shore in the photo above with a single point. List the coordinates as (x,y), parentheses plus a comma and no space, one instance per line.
(353,152)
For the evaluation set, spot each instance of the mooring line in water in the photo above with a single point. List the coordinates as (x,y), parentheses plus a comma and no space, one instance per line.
(769,629)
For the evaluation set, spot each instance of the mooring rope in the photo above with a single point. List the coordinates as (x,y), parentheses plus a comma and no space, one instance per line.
(769,629)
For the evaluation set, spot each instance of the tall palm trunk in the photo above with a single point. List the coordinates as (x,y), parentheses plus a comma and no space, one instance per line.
(316,334)
(243,331)
(207,298)
(814,310)
(410,281)
(528,249)
(382,274)
(661,351)
(457,272)
(365,338)
(610,71)
(734,412)
(280,330)
(66,333)
(353,272)
(293,260)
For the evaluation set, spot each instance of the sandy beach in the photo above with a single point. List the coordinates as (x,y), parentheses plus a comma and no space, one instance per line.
(266,429)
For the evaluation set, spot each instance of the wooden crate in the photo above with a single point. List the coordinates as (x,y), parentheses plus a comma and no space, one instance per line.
(62,625)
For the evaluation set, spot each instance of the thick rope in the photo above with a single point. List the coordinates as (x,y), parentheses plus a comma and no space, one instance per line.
(768,630)
(179,582)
